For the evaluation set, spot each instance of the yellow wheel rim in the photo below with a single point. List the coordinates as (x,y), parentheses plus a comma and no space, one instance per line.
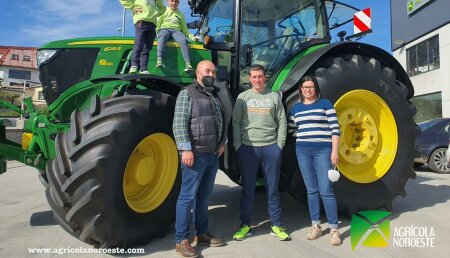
(150,173)
(369,138)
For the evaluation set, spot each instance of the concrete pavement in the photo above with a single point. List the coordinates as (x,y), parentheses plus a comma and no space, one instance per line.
(26,222)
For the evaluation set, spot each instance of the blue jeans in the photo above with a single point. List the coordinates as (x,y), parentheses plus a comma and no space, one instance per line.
(250,158)
(178,36)
(314,163)
(196,186)
(145,33)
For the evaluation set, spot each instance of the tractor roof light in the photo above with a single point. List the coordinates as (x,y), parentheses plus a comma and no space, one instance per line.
(207,40)
(44,55)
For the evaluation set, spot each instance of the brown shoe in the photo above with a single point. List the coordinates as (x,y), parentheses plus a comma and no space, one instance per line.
(185,249)
(208,239)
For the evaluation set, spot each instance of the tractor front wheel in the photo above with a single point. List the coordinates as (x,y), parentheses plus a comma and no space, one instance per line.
(114,181)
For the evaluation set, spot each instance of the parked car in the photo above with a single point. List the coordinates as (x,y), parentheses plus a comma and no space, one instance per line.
(448,153)
(432,144)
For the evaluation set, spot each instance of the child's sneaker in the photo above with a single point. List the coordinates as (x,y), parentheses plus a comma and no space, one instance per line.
(133,70)
(160,64)
(144,72)
(280,233)
(188,67)
(314,232)
(335,237)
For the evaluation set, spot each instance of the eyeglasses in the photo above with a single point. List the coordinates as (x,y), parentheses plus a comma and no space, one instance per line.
(306,87)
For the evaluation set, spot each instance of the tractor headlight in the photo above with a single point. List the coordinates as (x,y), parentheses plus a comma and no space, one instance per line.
(44,55)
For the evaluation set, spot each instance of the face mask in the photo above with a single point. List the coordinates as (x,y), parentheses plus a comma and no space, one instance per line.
(208,81)
(333,174)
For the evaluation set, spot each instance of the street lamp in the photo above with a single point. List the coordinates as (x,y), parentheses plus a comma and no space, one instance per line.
(123,21)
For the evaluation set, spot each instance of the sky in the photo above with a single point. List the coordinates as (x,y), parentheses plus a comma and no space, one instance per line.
(33,23)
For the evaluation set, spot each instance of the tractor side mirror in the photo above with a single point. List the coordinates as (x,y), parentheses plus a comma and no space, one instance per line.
(341,35)
(193,25)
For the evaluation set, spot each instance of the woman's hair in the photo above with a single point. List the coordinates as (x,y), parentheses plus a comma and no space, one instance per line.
(308,78)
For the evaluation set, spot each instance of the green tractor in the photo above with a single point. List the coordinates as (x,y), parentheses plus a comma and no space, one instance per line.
(106,153)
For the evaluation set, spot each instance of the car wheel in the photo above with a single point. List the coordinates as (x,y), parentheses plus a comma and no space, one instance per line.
(438,162)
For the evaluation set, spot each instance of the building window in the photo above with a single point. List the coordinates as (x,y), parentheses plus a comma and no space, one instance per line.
(40,95)
(26,58)
(423,57)
(19,74)
(14,57)
(428,106)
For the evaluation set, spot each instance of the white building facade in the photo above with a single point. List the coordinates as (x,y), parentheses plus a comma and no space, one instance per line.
(421,43)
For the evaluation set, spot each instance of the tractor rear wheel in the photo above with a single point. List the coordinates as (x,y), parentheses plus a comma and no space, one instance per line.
(115,181)
(376,150)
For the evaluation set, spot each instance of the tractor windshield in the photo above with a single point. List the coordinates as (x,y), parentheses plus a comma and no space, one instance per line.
(274,31)
(219,20)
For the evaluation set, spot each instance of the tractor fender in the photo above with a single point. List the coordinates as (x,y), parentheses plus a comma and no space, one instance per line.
(347,47)
(75,97)
(153,82)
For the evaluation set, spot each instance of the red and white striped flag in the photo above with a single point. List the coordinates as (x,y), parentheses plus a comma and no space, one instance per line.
(362,21)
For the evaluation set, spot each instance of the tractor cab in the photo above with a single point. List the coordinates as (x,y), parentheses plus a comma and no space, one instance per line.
(265,32)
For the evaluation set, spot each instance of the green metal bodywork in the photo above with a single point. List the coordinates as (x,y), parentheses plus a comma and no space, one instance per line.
(284,72)
(113,57)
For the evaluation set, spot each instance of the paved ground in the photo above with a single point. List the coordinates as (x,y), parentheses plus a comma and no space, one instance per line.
(26,222)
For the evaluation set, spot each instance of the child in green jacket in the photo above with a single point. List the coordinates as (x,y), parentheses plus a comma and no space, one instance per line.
(145,13)
(173,24)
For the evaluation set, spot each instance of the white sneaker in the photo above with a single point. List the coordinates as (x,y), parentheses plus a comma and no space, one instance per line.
(133,70)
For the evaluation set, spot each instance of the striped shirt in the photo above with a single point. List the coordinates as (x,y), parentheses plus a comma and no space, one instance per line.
(313,124)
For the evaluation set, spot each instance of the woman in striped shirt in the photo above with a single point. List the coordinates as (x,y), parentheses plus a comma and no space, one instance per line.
(316,128)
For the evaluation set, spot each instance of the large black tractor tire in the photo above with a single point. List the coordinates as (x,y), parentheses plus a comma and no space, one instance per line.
(43,178)
(115,179)
(374,169)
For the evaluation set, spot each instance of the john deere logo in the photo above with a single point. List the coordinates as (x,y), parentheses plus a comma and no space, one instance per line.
(370,228)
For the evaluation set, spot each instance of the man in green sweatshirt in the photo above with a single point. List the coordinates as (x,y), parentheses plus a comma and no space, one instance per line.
(259,133)
(144,19)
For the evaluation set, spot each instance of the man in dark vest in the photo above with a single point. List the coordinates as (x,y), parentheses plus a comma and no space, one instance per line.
(198,127)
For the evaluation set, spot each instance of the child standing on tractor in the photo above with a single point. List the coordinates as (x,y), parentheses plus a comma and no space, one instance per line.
(173,24)
(145,13)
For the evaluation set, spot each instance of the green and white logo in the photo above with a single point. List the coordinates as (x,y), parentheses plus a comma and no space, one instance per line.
(370,228)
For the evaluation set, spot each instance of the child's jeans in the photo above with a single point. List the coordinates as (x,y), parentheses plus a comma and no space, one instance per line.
(145,33)
(178,36)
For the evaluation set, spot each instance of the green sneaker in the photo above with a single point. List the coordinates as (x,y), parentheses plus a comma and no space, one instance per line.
(144,72)
(280,233)
(160,63)
(188,67)
(242,232)
(133,70)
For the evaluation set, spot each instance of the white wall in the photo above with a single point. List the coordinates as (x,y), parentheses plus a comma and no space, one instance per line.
(2,75)
(436,80)
(7,80)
